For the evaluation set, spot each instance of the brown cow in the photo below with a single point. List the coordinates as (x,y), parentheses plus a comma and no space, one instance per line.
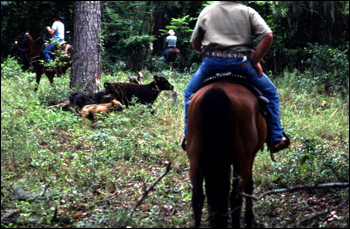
(145,94)
(89,111)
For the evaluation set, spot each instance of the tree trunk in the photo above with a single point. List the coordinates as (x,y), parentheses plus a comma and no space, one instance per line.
(158,24)
(86,68)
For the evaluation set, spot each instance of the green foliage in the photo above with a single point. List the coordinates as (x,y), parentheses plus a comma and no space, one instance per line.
(318,125)
(155,64)
(208,3)
(18,17)
(134,50)
(184,32)
(132,54)
(126,42)
(346,8)
(330,67)
(182,29)
(322,69)
(295,24)
(10,68)
(94,174)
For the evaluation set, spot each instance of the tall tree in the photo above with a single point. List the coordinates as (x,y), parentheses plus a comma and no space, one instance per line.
(158,24)
(86,67)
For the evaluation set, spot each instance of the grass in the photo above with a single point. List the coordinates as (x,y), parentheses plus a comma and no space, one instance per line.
(94,175)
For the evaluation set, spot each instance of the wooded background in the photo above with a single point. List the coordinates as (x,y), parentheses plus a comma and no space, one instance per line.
(58,172)
(307,34)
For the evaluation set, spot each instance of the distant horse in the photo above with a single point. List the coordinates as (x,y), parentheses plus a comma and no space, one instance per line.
(172,54)
(225,128)
(33,50)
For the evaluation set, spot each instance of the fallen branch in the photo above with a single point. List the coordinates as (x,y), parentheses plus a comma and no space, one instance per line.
(13,223)
(10,215)
(64,105)
(307,187)
(329,210)
(299,187)
(145,193)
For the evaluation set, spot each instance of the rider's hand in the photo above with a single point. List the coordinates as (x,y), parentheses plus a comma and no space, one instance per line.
(258,67)
(260,52)
(48,28)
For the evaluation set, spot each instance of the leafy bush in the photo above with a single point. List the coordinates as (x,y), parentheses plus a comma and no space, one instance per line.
(330,67)
(128,54)
(156,64)
(10,68)
(320,68)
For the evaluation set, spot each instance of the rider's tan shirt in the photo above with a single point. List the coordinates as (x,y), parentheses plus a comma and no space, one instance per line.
(229,26)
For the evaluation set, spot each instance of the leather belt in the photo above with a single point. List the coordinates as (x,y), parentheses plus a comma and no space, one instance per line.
(225,54)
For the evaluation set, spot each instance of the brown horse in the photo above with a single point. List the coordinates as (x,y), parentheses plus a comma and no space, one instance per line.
(225,128)
(172,55)
(33,50)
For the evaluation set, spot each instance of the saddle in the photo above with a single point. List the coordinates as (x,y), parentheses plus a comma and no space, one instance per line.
(63,46)
(242,80)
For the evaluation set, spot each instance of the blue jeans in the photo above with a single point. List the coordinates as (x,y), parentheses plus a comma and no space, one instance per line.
(48,49)
(212,65)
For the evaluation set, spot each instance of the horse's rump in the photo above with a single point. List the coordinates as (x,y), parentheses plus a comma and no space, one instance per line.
(171,54)
(225,129)
(226,111)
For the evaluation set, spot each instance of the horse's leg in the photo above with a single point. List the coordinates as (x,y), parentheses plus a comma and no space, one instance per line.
(50,76)
(196,175)
(236,202)
(38,74)
(249,214)
(242,169)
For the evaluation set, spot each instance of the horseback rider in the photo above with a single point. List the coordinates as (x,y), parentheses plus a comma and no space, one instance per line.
(171,40)
(224,34)
(57,32)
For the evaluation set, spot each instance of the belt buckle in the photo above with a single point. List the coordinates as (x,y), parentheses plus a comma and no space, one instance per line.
(239,55)
(233,55)
(215,54)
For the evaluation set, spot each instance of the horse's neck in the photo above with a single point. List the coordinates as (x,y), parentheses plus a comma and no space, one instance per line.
(33,47)
(29,38)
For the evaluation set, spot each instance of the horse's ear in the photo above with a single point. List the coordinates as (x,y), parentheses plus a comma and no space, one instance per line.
(155,77)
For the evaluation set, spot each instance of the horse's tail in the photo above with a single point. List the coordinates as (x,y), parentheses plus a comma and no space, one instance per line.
(216,108)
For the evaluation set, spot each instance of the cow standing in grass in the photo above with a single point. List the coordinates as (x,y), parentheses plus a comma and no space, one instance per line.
(145,94)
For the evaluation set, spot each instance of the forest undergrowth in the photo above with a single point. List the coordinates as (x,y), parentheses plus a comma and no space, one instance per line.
(58,172)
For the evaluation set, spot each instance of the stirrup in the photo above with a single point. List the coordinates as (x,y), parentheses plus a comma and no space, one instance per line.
(275,148)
